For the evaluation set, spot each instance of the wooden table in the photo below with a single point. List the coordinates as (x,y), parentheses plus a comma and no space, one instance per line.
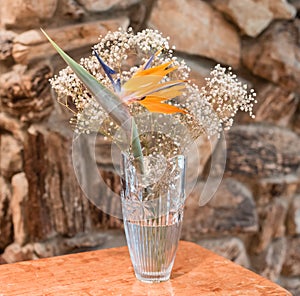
(196,271)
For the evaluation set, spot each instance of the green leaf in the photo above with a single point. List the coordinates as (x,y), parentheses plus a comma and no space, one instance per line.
(109,101)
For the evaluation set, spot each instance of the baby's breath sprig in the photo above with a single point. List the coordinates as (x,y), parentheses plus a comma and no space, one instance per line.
(227,95)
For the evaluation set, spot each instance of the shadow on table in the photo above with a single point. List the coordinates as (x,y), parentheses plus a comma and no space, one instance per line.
(184,264)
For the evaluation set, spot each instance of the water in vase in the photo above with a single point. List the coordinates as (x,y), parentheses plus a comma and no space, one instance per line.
(152,248)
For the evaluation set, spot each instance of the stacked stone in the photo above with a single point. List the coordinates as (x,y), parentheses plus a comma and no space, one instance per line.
(254,218)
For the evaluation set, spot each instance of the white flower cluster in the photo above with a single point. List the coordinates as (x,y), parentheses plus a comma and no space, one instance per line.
(227,95)
(209,109)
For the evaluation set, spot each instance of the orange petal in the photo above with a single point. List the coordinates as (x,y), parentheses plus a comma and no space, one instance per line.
(170,92)
(141,82)
(157,70)
(155,106)
(144,87)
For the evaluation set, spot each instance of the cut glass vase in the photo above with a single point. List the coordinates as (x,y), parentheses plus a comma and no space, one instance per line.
(153,196)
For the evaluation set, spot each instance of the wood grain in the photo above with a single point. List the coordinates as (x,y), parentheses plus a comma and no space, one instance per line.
(197,271)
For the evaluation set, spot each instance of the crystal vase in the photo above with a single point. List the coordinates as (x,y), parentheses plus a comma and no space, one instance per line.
(153,197)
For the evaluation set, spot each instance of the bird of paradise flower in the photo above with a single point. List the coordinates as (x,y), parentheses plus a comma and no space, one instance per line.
(145,86)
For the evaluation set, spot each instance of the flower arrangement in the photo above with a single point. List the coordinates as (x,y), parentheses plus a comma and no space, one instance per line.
(136,93)
(134,76)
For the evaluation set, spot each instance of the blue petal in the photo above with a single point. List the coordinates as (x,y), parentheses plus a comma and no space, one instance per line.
(148,64)
(105,67)
(108,71)
(117,85)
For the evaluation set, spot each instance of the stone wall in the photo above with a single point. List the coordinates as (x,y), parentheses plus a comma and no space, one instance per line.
(254,218)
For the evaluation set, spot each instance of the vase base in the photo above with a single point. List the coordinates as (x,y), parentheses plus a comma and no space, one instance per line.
(153,277)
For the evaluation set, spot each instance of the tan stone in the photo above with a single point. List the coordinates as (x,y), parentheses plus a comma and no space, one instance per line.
(231,248)
(275,55)
(56,202)
(6,235)
(18,204)
(293,217)
(31,37)
(296,123)
(15,253)
(208,34)
(138,15)
(283,186)
(251,16)
(232,210)
(104,5)
(275,105)
(6,39)
(45,213)
(291,266)
(26,13)
(2,261)
(292,284)
(281,9)
(296,4)
(24,92)
(72,9)
(48,201)
(34,45)
(58,245)
(55,246)
(261,151)
(11,125)
(272,224)
(11,161)
(269,263)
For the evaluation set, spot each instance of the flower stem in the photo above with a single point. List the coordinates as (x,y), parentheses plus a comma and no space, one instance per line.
(136,146)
